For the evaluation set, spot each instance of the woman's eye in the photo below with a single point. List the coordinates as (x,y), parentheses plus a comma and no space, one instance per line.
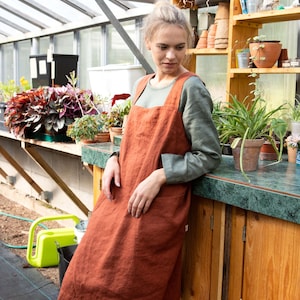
(180,47)
(162,47)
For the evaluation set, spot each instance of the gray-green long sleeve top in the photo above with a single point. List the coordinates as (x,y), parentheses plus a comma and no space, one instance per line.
(196,107)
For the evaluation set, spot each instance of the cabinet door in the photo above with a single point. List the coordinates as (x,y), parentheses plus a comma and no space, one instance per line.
(272,259)
(203,251)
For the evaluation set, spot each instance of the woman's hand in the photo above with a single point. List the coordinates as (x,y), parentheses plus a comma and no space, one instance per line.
(111,173)
(144,194)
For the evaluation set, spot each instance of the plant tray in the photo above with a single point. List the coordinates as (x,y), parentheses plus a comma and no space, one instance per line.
(60,137)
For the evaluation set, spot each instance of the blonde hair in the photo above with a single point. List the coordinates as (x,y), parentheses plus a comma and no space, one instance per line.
(166,13)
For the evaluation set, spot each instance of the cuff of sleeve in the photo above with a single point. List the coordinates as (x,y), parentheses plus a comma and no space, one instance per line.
(117,153)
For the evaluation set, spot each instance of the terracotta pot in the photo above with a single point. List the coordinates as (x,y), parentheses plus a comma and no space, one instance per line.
(292,154)
(267,151)
(102,137)
(265,54)
(114,131)
(250,155)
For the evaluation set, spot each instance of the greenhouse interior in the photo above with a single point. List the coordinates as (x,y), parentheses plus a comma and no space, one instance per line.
(64,63)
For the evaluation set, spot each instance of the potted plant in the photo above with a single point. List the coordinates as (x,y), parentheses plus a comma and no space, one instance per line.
(7,91)
(264,53)
(247,125)
(48,110)
(293,145)
(116,116)
(86,128)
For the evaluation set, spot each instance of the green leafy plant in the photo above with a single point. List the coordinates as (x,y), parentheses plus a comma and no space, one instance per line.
(10,88)
(115,117)
(241,120)
(295,111)
(86,127)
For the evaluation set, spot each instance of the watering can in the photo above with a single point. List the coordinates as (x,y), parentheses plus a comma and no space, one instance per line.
(48,240)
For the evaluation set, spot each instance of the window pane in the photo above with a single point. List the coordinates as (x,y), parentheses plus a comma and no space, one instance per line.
(89,56)
(44,43)
(8,71)
(63,43)
(23,59)
(118,51)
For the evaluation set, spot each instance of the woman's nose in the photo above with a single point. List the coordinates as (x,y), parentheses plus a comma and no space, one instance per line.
(170,54)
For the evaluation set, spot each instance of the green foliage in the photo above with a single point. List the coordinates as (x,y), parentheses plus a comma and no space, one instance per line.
(116,116)
(10,88)
(295,111)
(85,128)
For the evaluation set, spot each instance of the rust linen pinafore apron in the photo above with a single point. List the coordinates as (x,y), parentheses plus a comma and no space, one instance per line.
(122,257)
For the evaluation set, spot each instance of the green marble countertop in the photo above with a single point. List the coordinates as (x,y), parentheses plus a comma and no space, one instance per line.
(274,190)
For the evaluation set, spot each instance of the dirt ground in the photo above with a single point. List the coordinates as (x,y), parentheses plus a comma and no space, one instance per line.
(15,232)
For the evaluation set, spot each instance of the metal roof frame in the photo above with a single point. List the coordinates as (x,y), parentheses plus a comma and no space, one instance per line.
(20,19)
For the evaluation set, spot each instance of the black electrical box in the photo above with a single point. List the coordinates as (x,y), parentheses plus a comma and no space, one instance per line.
(52,73)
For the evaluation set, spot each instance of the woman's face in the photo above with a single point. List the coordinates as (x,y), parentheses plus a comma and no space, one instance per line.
(168,47)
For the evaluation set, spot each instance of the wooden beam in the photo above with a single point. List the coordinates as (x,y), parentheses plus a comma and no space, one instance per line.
(2,172)
(31,151)
(20,170)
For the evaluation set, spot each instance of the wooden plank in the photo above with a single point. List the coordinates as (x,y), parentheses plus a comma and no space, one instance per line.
(43,164)
(196,271)
(20,170)
(217,251)
(236,255)
(97,182)
(272,259)
(2,172)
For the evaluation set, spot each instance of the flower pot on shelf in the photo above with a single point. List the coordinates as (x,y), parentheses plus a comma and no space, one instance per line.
(267,151)
(114,131)
(250,154)
(265,54)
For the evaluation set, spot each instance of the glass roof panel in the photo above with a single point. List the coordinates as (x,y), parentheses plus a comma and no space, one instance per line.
(23,16)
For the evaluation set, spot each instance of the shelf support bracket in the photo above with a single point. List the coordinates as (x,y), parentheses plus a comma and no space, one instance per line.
(20,170)
(44,165)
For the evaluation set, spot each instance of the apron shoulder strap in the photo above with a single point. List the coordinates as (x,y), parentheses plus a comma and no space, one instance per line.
(174,96)
(141,86)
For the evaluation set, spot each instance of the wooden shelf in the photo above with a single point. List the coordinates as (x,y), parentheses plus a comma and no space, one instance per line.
(272,16)
(265,71)
(207,51)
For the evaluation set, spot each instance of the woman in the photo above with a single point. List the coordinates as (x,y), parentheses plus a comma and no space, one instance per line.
(132,247)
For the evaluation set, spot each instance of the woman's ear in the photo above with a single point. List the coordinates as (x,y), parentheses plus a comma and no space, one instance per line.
(148,44)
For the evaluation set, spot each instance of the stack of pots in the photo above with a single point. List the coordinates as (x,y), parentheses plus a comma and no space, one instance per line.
(222,21)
